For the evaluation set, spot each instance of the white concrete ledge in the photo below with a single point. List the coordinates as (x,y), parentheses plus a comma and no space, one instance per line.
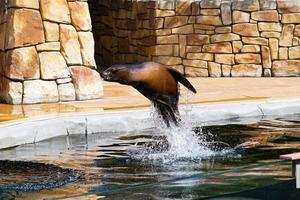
(36,129)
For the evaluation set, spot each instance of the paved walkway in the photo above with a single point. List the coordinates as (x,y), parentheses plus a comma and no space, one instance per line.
(210,90)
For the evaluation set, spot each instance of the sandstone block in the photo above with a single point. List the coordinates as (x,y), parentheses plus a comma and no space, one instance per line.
(70,46)
(157,23)
(34,4)
(192,20)
(214,69)
(210,4)
(87,83)
(167,60)
(147,41)
(267,16)
(226,13)
(25,28)
(199,31)
(38,91)
(183,8)
(291,18)
(204,27)
(209,20)
(51,31)
(48,46)
(87,45)
(297,31)
(179,68)
(267,72)
(196,39)
(286,37)
(164,13)
(269,26)
(201,56)
(223,29)
(55,10)
(195,8)
(163,50)
(187,29)
(169,39)
(245,29)
(248,5)
(63,80)
(2,36)
(246,70)
(226,70)
(274,48)
(22,64)
(267,4)
(66,92)
(195,63)
(10,92)
(193,49)
(210,12)
(176,51)
(245,58)
(196,72)
(295,41)
(240,17)
(237,46)
(182,45)
(286,68)
(53,66)
(227,37)
(80,15)
(288,6)
(270,34)
(266,57)
(218,48)
(283,53)
(163,32)
(255,40)
(224,58)
(294,52)
(250,49)
(173,22)
(166,5)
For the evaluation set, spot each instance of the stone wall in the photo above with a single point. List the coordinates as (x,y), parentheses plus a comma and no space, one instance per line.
(47,52)
(228,38)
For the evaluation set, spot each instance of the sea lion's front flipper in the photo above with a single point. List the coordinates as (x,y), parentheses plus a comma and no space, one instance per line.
(180,78)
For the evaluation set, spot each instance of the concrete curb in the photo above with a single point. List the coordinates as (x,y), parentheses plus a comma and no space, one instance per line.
(32,130)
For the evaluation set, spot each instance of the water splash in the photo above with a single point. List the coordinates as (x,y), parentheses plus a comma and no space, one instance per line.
(182,143)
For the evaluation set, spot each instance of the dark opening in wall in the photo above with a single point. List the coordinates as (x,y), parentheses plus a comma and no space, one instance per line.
(124,31)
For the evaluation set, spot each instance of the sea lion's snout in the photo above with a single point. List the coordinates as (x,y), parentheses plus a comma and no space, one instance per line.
(106,75)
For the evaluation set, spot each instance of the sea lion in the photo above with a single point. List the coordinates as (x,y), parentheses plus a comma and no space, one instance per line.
(156,82)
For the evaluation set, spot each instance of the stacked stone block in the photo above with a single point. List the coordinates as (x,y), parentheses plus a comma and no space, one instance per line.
(216,38)
(47,52)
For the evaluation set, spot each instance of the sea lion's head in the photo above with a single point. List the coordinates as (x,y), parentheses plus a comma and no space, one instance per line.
(116,73)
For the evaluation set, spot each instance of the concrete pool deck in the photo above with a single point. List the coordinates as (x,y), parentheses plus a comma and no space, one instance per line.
(123,108)
(210,91)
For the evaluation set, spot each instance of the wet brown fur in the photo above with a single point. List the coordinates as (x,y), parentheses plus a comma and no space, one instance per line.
(156,82)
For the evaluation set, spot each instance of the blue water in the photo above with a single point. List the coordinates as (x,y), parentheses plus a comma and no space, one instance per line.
(167,163)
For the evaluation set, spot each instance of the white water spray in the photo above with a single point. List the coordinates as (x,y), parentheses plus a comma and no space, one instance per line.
(179,142)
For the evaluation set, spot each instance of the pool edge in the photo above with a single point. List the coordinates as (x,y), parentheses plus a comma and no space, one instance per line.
(35,129)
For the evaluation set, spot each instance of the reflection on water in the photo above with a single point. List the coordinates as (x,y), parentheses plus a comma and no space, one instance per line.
(151,164)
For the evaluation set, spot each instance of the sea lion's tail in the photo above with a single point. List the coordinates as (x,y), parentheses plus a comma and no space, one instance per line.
(180,78)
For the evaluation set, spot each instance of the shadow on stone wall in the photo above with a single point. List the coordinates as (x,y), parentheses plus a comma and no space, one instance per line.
(216,38)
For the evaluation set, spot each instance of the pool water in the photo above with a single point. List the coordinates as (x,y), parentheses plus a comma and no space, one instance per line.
(161,163)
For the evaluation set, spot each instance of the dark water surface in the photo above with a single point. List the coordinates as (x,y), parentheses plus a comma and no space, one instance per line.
(178,163)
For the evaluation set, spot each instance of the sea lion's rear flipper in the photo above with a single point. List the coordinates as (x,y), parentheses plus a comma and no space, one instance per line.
(167,112)
(180,78)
